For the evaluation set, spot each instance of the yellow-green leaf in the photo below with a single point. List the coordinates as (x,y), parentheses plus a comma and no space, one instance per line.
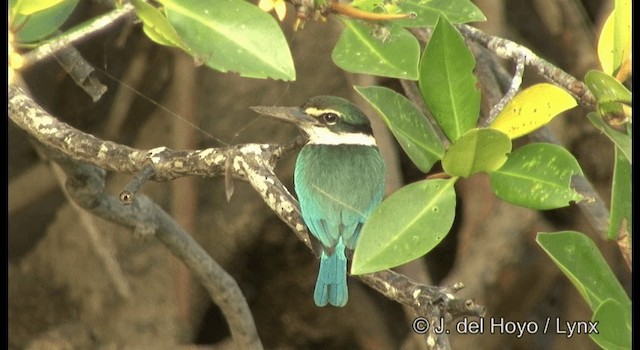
(614,44)
(532,109)
(29,7)
(157,26)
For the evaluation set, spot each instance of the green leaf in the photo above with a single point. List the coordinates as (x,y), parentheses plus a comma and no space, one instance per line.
(614,325)
(410,127)
(606,88)
(157,26)
(232,35)
(478,150)
(531,109)
(391,52)
(620,216)
(405,226)
(579,259)
(43,23)
(622,141)
(427,12)
(447,83)
(537,176)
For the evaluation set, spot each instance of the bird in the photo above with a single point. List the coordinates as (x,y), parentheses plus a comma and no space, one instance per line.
(338,179)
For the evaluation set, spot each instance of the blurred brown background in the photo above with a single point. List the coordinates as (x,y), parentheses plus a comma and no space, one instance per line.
(78,283)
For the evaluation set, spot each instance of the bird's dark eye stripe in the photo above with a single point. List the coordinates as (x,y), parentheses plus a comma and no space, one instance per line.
(329,118)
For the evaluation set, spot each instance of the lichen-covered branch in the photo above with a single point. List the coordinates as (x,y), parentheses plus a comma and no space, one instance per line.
(85,184)
(516,81)
(507,49)
(253,163)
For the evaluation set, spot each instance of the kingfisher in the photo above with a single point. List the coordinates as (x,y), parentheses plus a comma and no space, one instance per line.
(338,179)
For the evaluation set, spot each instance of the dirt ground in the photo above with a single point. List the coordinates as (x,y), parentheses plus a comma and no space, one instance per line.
(80,282)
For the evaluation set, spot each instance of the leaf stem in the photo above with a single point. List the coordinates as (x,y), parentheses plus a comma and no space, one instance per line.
(356,13)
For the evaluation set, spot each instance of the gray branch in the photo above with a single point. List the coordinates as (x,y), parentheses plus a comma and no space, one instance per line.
(253,163)
(47,50)
(516,81)
(85,184)
(507,49)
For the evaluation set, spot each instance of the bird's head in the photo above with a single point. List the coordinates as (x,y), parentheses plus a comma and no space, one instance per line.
(328,120)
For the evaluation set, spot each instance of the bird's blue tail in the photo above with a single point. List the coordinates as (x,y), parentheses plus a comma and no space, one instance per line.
(331,286)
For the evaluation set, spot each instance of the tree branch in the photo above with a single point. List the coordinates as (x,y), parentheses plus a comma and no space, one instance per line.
(66,40)
(252,163)
(513,89)
(85,184)
(507,49)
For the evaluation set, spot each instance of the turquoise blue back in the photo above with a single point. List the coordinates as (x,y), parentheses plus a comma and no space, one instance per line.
(337,186)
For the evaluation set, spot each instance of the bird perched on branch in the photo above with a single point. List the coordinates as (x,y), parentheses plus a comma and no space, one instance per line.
(339,180)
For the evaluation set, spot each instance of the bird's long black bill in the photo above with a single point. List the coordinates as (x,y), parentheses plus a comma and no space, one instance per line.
(289,114)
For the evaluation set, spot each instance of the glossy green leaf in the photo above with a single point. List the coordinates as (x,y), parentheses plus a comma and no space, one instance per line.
(410,127)
(620,215)
(613,325)
(622,141)
(537,176)
(427,12)
(29,7)
(43,23)
(478,150)
(580,260)
(606,88)
(447,82)
(232,35)
(388,51)
(532,108)
(157,26)
(405,226)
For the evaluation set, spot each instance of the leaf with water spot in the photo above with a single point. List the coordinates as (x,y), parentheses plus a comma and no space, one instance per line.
(614,325)
(410,127)
(478,150)
(392,52)
(537,176)
(157,26)
(580,260)
(447,82)
(427,12)
(606,88)
(232,35)
(405,226)
(577,256)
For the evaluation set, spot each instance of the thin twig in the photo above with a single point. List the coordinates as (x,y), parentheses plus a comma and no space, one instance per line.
(507,49)
(516,81)
(100,244)
(80,71)
(47,50)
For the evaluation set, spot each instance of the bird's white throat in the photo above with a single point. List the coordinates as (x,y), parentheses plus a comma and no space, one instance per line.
(323,136)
